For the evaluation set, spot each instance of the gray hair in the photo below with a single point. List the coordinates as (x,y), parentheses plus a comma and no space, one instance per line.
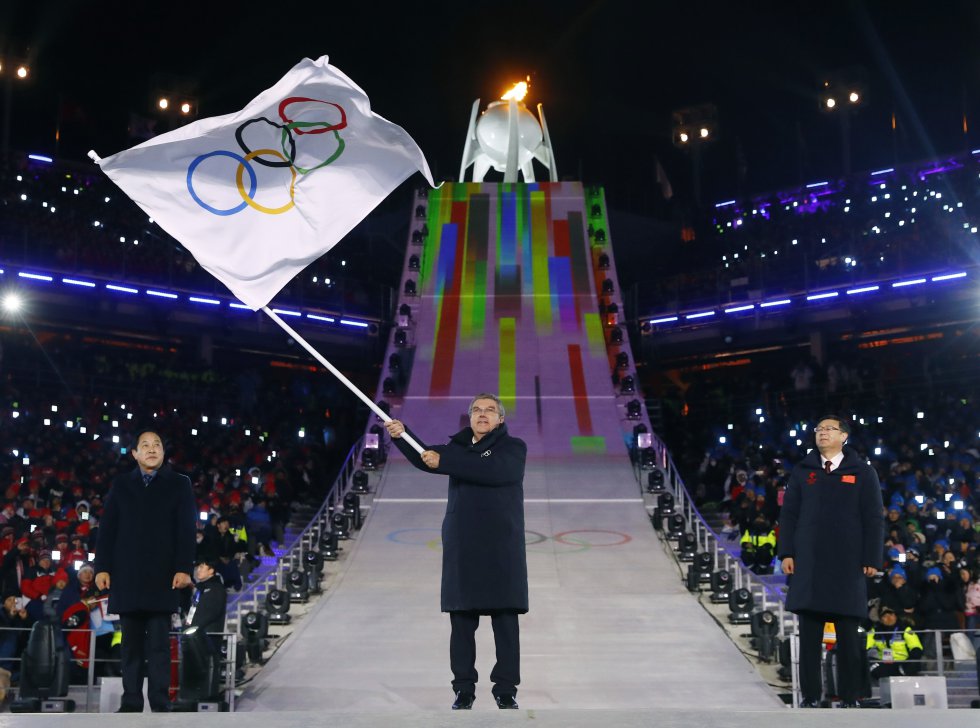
(486,395)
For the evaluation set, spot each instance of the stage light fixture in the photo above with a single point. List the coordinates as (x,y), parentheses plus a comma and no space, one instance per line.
(352,510)
(634,409)
(313,569)
(656,482)
(687,545)
(703,563)
(338,526)
(721,586)
(665,502)
(765,629)
(255,629)
(359,482)
(329,549)
(740,605)
(199,673)
(675,526)
(277,606)
(298,588)
(163,103)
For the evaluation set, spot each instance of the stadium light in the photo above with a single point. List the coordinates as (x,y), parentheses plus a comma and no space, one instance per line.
(12,303)
(163,103)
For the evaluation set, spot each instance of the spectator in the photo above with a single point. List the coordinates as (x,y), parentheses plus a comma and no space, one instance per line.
(892,650)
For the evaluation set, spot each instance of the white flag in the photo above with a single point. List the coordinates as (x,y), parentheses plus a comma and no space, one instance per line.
(258,195)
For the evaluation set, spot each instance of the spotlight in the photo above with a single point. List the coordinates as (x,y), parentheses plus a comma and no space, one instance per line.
(764,631)
(277,605)
(254,629)
(740,604)
(369,458)
(634,409)
(831,103)
(703,563)
(185,108)
(352,509)
(687,544)
(338,525)
(313,568)
(655,481)
(388,386)
(665,502)
(721,586)
(329,550)
(199,672)
(622,360)
(675,527)
(684,137)
(12,303)
(359,482)
(627,385)
(299,591)
(164,104)
(401,338)
(648,458)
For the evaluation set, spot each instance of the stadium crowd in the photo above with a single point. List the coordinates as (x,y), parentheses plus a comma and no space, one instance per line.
(72,219)
(254,446)
(912,220)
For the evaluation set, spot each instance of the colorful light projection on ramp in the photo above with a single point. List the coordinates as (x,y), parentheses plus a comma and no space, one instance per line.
(507,269)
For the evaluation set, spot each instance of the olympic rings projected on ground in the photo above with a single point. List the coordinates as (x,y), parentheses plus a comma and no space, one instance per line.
(286,158)
(407,537)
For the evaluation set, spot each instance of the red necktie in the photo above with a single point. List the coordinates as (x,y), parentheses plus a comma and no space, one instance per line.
(826,466)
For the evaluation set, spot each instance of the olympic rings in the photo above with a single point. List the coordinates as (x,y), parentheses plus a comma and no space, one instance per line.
(287,157)
(286,161)
(248,197)
(294,99)
(253,182)
(624,538)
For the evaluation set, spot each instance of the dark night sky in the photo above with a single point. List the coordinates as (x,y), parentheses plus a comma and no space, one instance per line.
(608,72)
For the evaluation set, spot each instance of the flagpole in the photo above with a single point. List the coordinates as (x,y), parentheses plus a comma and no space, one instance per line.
(337,373)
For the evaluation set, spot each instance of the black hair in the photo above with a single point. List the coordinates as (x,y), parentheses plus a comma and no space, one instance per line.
(845,425)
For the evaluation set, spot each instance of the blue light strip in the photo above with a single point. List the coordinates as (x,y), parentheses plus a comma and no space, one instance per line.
(770,304)
(817,184)
(949,276)
(726,203)
(748,307)
(76,282)
(35,276)
(913,282)
(883,171)
(702,314)
(171,296)
(40,158)
(819,296)
(864,289)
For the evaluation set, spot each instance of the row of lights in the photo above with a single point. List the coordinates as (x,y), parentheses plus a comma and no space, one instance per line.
(871,288)
(21,70)
(163,103)
(12,302)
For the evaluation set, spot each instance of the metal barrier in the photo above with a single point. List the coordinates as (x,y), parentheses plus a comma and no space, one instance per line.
(91,687)
(273,578)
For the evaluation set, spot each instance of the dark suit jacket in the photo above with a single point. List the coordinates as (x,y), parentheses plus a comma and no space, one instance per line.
(146,535)
(484,564)
(832,527)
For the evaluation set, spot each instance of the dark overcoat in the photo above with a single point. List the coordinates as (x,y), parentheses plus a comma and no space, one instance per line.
(832,527)
(484,564)
(146,535)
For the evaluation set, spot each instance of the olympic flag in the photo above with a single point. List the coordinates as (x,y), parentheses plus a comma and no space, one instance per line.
(258,195)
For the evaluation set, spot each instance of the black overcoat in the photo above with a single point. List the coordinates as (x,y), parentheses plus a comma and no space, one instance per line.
(832,527)
(146,535)
(484,564)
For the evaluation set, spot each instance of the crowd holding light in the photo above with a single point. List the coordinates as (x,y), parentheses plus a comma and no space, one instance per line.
(917,219)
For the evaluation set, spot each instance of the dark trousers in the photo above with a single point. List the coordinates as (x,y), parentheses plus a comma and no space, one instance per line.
(145,652)
(850,655)
(506,674)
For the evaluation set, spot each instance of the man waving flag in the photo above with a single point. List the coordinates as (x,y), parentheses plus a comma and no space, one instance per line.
(259,194)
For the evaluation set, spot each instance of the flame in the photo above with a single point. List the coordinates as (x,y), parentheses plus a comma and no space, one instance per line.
(517,92)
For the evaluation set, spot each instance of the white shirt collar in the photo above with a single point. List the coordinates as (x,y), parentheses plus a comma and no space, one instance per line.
(834,461)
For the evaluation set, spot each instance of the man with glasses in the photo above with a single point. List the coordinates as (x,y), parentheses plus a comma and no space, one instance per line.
(830,540)
(484,565)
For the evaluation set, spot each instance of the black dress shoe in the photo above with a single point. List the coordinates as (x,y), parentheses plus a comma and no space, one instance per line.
(849,704)
(809,703)
(464,701)
(506,702)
